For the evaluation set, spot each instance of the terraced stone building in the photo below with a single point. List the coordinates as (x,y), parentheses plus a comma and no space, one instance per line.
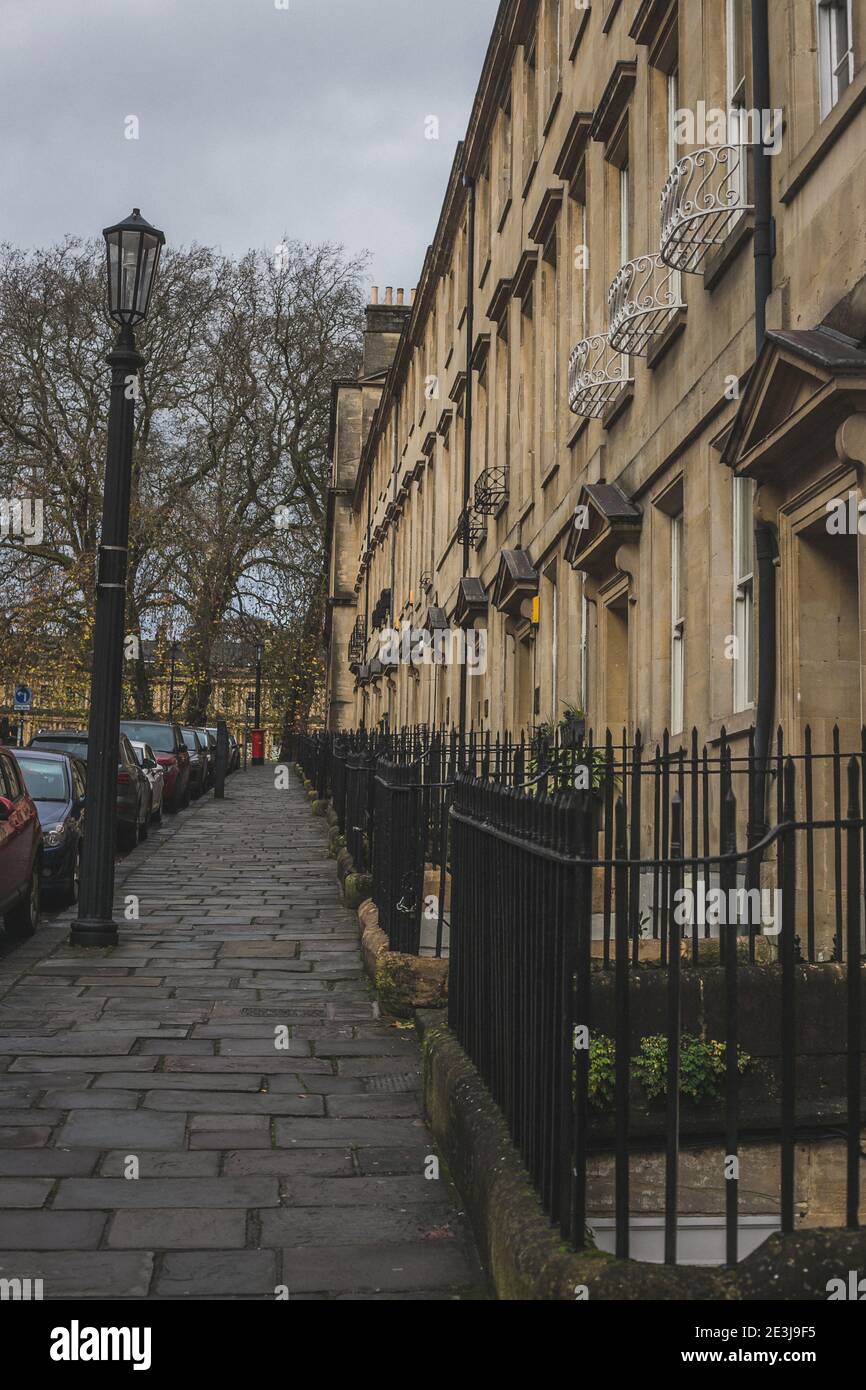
(620,426)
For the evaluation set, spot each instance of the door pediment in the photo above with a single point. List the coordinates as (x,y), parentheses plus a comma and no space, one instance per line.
(804,384)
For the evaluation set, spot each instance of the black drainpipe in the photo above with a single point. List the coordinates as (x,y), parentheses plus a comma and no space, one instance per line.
(392,616)
(467,407)
(367,575)
(765,543)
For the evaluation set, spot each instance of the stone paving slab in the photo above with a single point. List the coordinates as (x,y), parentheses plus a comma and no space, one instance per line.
(214,1109)
(94,1274)
(374,1267)
(310,1226)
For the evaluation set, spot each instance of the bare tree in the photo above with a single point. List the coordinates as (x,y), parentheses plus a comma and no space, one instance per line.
(229,471)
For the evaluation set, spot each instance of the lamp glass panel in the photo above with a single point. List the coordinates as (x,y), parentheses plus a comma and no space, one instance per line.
(128,268)
(148,268)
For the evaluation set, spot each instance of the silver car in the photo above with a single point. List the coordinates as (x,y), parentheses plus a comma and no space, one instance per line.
(154,774)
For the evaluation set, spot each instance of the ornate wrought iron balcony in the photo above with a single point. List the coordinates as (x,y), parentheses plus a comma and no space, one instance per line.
(596,375)
(643,297)
(471,527)
(491,491)
(702,199)
(357,644)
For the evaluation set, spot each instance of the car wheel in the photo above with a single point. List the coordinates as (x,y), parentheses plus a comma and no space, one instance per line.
(187,797)
(156,816)
(21,921)
(143,827)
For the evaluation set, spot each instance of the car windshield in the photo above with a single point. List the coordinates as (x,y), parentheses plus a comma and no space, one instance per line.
(159,736)
(76,746)
(45,779)
(189,739)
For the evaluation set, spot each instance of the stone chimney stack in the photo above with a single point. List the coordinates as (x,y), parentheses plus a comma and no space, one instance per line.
(384,324)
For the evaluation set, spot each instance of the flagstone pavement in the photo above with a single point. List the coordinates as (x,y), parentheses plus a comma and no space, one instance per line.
(213,1109)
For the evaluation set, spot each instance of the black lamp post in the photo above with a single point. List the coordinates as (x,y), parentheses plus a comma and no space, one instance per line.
(171,681)
(133,255)
(258,740)
(259,686)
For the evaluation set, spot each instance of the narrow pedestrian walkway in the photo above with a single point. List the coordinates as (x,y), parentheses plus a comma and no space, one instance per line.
(212,1109)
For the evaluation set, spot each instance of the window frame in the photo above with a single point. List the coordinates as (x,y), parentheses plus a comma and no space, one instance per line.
(735,53)
(829,60)
(530,110)
(743,597)
(678,624)
(505,158)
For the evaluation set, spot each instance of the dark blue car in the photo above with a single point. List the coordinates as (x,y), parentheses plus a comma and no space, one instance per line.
(56,782)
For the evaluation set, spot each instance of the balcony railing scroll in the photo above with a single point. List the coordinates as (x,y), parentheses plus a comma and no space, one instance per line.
(357,644)
(491,491)
(471,527)
(704,196)
(643,298)
(597,373)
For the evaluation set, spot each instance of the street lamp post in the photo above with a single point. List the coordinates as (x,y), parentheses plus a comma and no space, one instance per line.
(258,737)
(133,255)
(259,686)
(171,681)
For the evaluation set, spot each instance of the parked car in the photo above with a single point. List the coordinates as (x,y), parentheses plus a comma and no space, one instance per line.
(56,784)
(209,741)
(171,753)
(233,760)
(198,761)
(234,754)
(134,797)
(20,851)
(155,776)
(70,741)
(133,788)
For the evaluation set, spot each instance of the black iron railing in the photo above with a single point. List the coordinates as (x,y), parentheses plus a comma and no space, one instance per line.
(581,917)
(391,792)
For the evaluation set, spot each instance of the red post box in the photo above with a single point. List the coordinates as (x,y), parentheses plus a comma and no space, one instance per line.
(258,741)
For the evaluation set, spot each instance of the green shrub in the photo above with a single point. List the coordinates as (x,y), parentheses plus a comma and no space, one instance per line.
(602,1056)
(702,1068)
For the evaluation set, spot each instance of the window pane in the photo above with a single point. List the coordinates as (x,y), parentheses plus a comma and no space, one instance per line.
(736,53)
(624,214)
(743,529)
(673,105)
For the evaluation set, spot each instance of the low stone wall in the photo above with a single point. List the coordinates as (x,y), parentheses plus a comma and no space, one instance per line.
(525,1255)
(403,982)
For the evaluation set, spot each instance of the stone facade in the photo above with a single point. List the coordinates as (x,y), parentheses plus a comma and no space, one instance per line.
(609,503)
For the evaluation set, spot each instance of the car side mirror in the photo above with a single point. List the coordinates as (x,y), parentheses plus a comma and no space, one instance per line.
(5,808)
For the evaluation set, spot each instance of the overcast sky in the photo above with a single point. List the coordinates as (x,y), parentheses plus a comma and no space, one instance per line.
(253,121)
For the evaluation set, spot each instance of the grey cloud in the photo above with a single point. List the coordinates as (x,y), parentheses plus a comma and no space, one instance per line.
(254,122)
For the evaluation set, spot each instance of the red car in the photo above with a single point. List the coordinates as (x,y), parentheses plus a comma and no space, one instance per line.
(171,753)
(20,851)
